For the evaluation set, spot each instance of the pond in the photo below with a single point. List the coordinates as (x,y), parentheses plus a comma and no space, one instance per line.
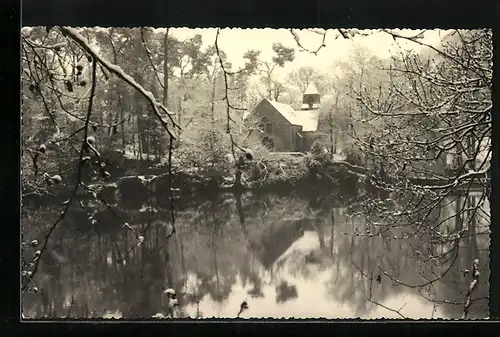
(277,253)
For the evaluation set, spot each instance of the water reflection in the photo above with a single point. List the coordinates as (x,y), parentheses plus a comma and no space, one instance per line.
(285,256)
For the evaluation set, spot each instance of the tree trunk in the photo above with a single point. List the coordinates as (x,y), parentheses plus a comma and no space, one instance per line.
(139,140)
(330,121)
(133,138)
(122,127)
(147,141)
(179,111)
(165,69)
(119,116)
(212,101)
(269,90)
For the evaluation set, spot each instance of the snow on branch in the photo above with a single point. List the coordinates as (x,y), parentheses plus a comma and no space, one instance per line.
(297,40)
(472,287)
(78,38)
(459,179)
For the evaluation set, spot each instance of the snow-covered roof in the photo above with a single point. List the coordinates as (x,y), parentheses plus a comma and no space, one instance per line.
(285,110)
(311,90)
(308,119)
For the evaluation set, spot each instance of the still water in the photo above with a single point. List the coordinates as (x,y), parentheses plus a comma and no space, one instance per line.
(284,258)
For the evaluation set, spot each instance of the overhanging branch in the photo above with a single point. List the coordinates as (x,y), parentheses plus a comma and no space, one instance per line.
(78,38)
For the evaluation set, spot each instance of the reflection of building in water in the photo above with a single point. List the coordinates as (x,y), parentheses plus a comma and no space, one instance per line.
(276,243)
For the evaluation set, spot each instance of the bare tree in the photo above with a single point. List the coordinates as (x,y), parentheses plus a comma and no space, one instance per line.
(426,136)
(423,123)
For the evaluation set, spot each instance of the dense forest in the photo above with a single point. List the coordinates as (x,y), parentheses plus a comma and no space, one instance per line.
(127,115)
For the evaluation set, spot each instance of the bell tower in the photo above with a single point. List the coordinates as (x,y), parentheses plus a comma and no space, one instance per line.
(311,99)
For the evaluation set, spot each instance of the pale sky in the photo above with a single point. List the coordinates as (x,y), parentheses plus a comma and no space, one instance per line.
(236,41)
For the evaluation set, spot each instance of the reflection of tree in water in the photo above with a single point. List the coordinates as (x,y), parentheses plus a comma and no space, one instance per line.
(397,262)
(218,290)
(98,275)
(249,276)
(217,247)
(286,292)
(256,290)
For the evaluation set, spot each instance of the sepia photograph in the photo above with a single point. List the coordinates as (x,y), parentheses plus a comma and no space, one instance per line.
(172,173)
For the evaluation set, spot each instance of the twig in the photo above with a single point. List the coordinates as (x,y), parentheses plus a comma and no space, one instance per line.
(243,307)
(370,278)
(297,40)
(78,38)
(390,309)
(228,105)
(472,287)
(170,181)
(77,184)
(67,137)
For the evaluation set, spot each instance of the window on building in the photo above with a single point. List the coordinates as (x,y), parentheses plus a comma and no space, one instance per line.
(310,102)
(269,128)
